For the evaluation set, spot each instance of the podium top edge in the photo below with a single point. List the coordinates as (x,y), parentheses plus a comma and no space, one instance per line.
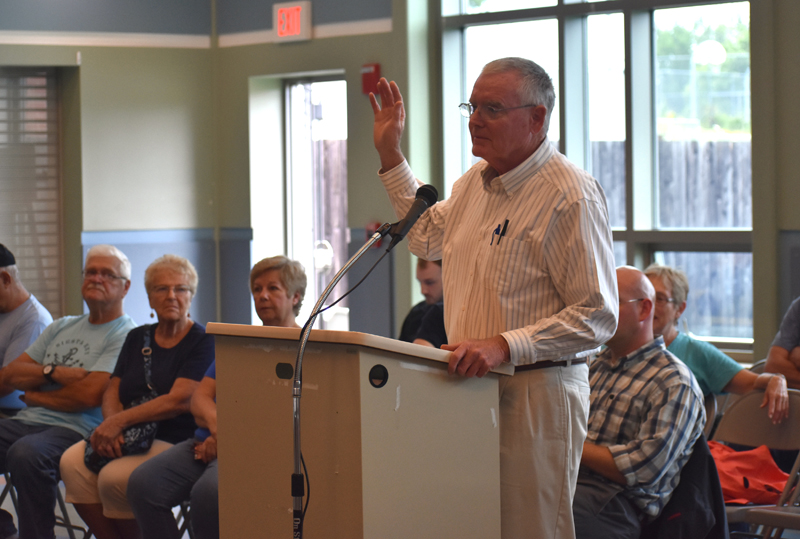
(341,337)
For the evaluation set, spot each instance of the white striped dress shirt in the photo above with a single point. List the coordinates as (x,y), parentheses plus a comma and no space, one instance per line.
(545,280)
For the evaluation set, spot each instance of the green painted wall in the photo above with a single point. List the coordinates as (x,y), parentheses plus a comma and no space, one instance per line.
(148,139)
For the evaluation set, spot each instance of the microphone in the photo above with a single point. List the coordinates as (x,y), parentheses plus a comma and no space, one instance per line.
(425,198)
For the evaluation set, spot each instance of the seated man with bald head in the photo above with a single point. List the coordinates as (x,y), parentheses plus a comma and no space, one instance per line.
(645,415)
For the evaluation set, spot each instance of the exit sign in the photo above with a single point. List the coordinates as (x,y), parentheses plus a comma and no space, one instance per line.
(292,21)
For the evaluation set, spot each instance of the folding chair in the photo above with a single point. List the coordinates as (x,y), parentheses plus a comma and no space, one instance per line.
(183,520)
(758,366)
(712,417)
(746,423)
(785,515)
(62,520)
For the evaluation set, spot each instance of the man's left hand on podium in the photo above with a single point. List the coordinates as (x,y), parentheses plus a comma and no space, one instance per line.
(476,357)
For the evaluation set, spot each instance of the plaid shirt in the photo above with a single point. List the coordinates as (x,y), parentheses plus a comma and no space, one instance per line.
(648,410)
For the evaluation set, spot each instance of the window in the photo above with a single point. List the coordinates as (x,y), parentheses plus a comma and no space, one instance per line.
(702,86)
(606,71)
(30,181)
(489,6)
(655,103)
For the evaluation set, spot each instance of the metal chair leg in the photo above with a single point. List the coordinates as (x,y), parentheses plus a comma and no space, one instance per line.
(183,520)
(61,520)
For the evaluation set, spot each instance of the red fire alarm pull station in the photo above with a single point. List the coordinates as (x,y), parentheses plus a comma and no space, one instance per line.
(370,75)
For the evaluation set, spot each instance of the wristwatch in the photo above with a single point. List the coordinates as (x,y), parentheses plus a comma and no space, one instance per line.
(48,371)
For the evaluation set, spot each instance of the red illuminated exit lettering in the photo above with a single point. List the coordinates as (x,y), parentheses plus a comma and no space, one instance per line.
(289,21)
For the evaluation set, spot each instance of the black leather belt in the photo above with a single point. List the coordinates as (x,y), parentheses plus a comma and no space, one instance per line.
(548,364)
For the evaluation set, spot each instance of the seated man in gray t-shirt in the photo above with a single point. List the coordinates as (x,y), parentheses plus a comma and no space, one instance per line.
(62,375)
(22,320)
(784,354)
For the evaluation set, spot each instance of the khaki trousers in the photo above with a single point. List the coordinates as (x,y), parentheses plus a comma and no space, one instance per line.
(543,418)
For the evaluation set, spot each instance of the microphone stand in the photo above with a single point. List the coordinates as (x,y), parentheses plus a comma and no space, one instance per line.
(298,490)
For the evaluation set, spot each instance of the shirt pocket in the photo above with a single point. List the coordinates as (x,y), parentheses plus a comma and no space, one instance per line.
(511,266)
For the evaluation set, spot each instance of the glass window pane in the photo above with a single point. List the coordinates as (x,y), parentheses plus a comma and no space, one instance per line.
(606,96)
(702,77)
(530,39)
(620,253)
(489,6)
(720,301)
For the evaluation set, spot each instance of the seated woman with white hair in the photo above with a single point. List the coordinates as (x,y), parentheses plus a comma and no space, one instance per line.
(715,372)
(158,370)
(188,471)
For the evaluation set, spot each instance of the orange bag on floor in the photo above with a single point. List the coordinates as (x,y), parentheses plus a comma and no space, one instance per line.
(748,476)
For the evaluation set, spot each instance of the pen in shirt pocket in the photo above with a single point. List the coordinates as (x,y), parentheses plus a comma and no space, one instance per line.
(503,233)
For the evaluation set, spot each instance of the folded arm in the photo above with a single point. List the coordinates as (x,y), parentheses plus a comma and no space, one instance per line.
(24,373)
(74,397)
(786,362)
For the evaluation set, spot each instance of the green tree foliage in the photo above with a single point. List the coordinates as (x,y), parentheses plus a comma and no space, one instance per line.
(718,93)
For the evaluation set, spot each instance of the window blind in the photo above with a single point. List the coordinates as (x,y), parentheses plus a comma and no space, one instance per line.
(30,182)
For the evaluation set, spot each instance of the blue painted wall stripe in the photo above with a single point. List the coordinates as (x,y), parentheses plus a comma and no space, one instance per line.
(121,237)
(187,17)
(178,17)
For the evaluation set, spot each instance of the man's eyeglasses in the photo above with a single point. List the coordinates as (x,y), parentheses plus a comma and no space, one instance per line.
(664,299)
(178,290)
(104,275)
(621,302)
(490,112)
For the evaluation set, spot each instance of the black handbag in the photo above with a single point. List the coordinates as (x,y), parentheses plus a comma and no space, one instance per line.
(137,438)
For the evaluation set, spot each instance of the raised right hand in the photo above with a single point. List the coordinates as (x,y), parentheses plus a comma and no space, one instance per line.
(390,118)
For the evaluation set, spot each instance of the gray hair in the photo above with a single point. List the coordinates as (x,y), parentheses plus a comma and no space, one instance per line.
(537,86)
(292,274)
(113,252)
(676,278)
(175,263)
(13,272)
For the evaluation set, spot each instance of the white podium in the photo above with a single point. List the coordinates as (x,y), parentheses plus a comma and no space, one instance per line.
(412,454)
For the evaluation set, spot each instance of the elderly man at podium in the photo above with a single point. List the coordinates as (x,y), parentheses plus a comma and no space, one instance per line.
(528,279)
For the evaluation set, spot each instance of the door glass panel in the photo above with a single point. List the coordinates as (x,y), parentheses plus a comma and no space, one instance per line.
(317,192)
